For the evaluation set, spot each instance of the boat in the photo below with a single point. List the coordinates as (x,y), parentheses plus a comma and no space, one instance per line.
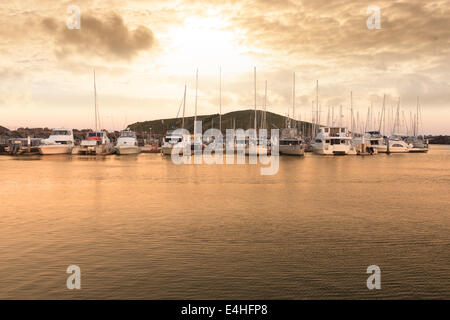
(291,143)
(256,146)
(127,143)
(419,145)
(373,142)
(60,141)
(333,141)
(96,143)
(171,139)
(398,145)
(23,146)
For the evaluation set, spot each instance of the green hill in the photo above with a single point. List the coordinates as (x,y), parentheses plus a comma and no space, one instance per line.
(239,119)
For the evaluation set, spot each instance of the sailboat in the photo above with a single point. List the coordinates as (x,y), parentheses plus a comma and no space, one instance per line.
(172,139)
(253,147)
(97,142)
(290,142)
(396,143)
(419,143)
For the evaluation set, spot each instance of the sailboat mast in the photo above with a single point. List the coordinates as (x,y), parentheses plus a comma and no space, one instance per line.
(293,100)
(265,107)
(416,128)
(351,111)
(184,107)
(317,103)
(254,78)
(95,104)
(220,99)
(196,95)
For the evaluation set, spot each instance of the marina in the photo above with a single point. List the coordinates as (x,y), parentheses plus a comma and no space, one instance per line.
(219,158)
(139,229)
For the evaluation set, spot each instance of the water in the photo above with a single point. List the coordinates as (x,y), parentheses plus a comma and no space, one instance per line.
(142,227)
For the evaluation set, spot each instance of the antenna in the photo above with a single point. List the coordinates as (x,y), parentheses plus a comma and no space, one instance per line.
(220,99)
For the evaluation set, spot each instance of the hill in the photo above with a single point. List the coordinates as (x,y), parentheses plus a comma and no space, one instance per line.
(238,119)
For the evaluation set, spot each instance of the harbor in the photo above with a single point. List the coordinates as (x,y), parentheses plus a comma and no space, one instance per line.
(145,228)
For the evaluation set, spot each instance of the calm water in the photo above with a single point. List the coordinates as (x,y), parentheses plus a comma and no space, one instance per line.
(142,227)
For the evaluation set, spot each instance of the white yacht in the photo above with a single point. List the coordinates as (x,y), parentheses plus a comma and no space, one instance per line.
(398,145)
(291,143)
(419,145)
(127,143)
(170,141)
(372,140)
(97,143)
(60,141)
(333,141)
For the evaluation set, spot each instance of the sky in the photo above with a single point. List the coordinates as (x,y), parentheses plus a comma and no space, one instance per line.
(145,52)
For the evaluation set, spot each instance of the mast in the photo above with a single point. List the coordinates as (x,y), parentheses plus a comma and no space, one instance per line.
(351,111)
(265,107)
(95,104)
(254,78)
(382,116)
(293,101)
(196,94)
(416,128)
(317,103)
(220,99)
(184,107)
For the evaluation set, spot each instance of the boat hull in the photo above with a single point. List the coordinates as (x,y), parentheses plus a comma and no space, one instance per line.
(55,149)
(336,151)
(295,150)
(93,150)
(124,150)
(418,150)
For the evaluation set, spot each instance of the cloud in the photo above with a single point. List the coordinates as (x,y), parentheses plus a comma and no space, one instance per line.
(109,38)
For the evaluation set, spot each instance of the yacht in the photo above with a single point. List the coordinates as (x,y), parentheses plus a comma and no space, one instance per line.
(127,143)
(291,143)
(333,141)
(373,141)
(97,143)
(419,145)
(398,145)
(60,141)
(170,141)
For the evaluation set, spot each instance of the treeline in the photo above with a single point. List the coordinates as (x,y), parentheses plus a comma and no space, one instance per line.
(439,139)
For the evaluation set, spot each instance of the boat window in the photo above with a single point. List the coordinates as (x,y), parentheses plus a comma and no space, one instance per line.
(318,140)
(397,145)
(343,141)
(327,141)
(95,134)
(342,130)
(60,133)
(327,129)
(128,134)
(335,141)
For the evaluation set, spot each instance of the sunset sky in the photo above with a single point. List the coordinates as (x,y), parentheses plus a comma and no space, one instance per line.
(144,52)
